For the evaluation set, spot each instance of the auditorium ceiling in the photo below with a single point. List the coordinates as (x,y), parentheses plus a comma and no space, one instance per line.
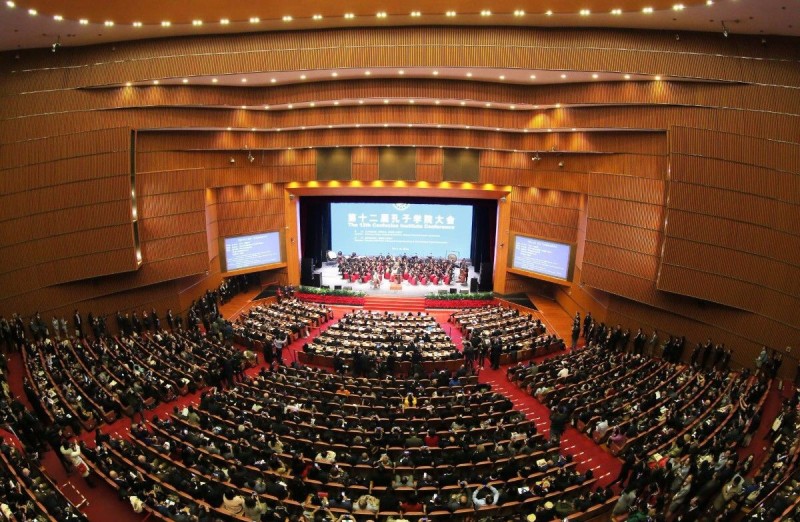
(28,24)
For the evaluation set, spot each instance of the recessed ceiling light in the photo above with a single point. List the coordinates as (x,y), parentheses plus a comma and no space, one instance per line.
(595,76)
(349,16)
(524,130)
(224,21)
(616,12)
(487,104)
(244,80)
(58,18)
(535,106)
(678,7)
(585,12)
(214,80)
(647,10)
(519,12)
(302,76)
(463,103)
(155,82)
(549,12)
(466,126)
(358,125)
(563,76)
(513,107)
(558,105)
(658,78)
(11,4)
(627,76)
(385,124)
(709,2)
(33,12)
(385,102)
(502,77)
(381,14)
(469,75)
(290,106)
(128,84)
(84,21)
(229,128)
(533,76)
(254,20)
(273,80)
(416,14)
(411,101)
(410,124)
(253,129)
(486,12)
(361,102)
(334,74)
(336,102)
(330,126)
(166,23)
(316,17)
(549,130)
(135,24)
(197,23)
(450,14)
(287,18)
(574,129)
(401,72)
(312,104)
(109,23)
(266,107)
(185,80)
(435,73)
(367,73)
(437,102)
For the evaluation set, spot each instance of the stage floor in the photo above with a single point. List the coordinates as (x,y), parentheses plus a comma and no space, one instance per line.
(331,278)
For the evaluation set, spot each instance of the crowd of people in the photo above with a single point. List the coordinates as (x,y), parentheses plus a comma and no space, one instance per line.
(413,269)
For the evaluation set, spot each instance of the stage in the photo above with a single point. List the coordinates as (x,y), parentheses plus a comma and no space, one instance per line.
(331,279)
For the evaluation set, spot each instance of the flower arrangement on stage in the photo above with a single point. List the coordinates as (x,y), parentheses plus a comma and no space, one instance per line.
(328,296)
(472,300)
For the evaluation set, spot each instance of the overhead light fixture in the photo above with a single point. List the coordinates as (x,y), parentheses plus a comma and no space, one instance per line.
(197,23)
(303,76)
(536,156)
(450,14)
(84,21)
(58,18)
(317,17)
(33,12)
(287,18)
(11,4)
(416,14)
(435,73)
(334,74)
(128,84)
(647,10)
(678,7)
(658,78)
(627,76)
(533,76)
(595,76)
(724,30)
(486,12)
(109,23)
(273,80)
(166,23)
(214,80)
(519,12)
(616,12)
(136,24)
(381,14)
(469,75)
(155,82)
(349,16)
(401,72)
(549,12)
(585,12)
(254,20)
(367,73)
(250,156)
(244,80)
(224,21)
(563,76)
(502,77)
(185,80)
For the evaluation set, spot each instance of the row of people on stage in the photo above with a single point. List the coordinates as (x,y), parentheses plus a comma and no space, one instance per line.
(413,269)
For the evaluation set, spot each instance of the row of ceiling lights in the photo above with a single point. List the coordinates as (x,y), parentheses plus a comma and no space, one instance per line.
(400,72)
(409,125)
(350,16)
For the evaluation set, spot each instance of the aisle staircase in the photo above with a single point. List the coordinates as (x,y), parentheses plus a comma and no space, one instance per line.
(394,304)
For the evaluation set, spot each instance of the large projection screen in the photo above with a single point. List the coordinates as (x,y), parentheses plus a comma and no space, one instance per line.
(401,228)
(542,258)
(240,253)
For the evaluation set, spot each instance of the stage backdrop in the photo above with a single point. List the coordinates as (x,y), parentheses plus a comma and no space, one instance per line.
(412,226)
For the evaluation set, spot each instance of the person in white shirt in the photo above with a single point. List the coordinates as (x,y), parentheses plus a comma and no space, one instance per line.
(485,496)
(563,373)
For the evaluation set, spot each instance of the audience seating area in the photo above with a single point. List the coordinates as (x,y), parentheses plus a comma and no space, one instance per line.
(302,440)
(668,421)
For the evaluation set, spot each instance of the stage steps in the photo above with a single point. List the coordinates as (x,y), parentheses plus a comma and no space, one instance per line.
(394,304)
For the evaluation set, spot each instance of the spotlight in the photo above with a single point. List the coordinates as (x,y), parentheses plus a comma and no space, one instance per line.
(724,30)
(250,157)
(536,157)
(232,160)
(56,44)
(561,164)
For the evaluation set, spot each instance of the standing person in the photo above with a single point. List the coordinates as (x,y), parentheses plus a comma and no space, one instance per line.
(56,329)
(558,420)
(496,351)
(652,344)
(587,323)
(77,322)
(576,332)
(63,324)
(625,470)
(170,320)
(73,452)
